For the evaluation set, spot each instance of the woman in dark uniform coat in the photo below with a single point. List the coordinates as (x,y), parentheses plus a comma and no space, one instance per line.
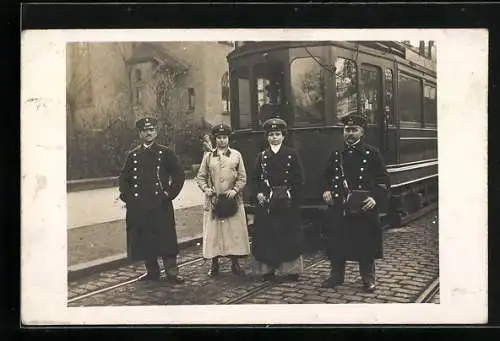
(277,243)
(150,179)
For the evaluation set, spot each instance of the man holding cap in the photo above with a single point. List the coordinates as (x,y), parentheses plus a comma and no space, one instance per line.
(151,178)
(355,182)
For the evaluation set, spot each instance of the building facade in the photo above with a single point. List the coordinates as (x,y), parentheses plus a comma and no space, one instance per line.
(111,85)
(124,81)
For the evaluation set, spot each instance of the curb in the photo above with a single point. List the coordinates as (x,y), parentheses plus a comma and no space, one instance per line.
(79,271)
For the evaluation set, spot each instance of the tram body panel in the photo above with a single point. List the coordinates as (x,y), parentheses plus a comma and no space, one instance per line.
(312,84)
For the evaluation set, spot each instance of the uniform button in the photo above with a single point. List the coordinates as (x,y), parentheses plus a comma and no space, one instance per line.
(336,160)
(136,194)
(286,181)
(350,152)
(158,167)
(135,169)
(359,187)
(361,177)
(336,186)
(336,177)
(160,152)
(336,195)
(288,164)
(135,176)
(135,161)
(159,159)
(286,172)
(336,168)
(265,164)
(135,154)
(289,156)
(364,161)
(156,193)
(367,152)
(157,184)
(362,169)
(136,185)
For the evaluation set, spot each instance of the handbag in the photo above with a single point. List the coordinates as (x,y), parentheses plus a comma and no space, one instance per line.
(354,198)
(224,207)
(280,197)
(354,202)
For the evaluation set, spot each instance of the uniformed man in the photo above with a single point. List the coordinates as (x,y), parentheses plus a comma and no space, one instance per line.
(356,171)
(150,179)
(277,181)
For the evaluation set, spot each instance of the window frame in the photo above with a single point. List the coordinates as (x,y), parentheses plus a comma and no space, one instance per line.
(410,124)
(426,123)
(299,124)
(334,103)
(380,100)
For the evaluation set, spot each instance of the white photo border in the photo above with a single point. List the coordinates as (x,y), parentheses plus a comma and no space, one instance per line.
(462,63)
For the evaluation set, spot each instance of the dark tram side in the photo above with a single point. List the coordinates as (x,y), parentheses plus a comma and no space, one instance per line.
(312,84)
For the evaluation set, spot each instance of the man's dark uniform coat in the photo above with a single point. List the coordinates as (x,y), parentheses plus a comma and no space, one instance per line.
(147,174)
(355,237)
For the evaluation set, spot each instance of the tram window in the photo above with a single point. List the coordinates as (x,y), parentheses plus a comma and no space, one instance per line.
(410,100)
(346,85)
(430,105)
(244,99)
(269,81)
(308,91)
(370,92)
(389,97)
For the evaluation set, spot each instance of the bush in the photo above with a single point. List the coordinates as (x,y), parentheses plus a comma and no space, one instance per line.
(101,153)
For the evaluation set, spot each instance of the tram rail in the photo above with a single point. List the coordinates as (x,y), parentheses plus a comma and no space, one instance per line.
(426,296)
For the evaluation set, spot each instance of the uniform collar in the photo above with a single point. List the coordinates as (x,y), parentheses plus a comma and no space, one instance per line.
(227,153)
(358,145)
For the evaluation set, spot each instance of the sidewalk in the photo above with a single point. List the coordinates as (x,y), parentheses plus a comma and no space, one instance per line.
(99,206)
(96,225)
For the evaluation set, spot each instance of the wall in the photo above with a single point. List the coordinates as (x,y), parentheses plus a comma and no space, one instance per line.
(109,84)
(215,66)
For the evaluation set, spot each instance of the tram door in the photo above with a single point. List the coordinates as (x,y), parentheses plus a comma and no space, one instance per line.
(372,106)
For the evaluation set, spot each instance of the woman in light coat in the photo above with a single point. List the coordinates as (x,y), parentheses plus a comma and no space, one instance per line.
(223,172)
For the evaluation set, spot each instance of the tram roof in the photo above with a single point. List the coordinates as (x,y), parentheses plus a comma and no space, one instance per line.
(397,50)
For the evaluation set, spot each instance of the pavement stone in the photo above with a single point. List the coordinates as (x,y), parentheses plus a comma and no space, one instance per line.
(408,268)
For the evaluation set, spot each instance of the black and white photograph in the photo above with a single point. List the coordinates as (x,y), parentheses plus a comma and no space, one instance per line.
(270,172)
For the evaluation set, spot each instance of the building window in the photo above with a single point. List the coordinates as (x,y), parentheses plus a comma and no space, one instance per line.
(308,91)
(191,99)
(138,75)
(225,93)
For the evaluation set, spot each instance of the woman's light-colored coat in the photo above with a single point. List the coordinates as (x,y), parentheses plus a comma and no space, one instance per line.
(223,237)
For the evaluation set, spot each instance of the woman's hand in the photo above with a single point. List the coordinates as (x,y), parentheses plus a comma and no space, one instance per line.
(261,198)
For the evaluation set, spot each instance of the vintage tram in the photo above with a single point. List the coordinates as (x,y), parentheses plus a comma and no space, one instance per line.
(313,84)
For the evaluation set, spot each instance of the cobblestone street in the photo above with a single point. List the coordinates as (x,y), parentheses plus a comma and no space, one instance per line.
(409,267)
